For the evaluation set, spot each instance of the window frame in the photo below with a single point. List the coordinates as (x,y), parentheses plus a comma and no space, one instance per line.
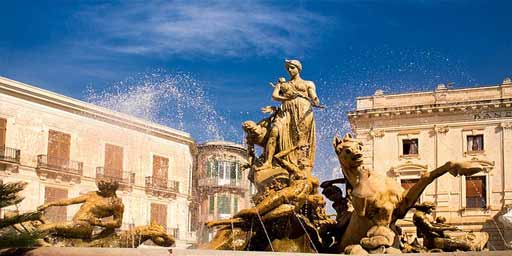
(473,132)
(488,166)
(409,135)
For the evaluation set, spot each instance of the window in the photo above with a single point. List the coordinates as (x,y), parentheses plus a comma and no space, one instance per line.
(209,168)
(224,204)
(193,221)
(410,147)
(159,214)
(239,171)
(55,213)
(58,148)
(211,204)
(113,161)
(160,171)
(3,130)
(476,192)
(235,205)
(475,142)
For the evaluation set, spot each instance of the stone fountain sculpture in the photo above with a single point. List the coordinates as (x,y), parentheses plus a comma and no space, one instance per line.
(289,213)
(288,208)
(379,201)
(101,210)
(439,236)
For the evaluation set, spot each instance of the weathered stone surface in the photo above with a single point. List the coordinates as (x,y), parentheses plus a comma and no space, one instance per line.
(53,251)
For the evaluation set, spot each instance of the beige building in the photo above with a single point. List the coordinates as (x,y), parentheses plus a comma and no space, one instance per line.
(60,145)
(408,134)
(221,187)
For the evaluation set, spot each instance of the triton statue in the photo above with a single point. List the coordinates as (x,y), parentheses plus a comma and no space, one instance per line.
(435,236)
(101,210)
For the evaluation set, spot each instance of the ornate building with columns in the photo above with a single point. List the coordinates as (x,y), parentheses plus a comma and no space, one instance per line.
(408,134)
(220,184)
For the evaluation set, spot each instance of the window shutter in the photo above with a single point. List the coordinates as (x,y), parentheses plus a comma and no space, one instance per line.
(476,192)
(160,170)
(113,161)
(58,148)
(55,213)
(208,168)
(211,204)
(3,131)
(159,214)
(475,186)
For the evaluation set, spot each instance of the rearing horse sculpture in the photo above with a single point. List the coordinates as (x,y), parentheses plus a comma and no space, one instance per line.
(379,201)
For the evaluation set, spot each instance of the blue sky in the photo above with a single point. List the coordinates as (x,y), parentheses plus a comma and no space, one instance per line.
(183,62)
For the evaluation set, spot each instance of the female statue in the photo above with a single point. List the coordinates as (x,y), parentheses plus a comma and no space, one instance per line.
(296,124)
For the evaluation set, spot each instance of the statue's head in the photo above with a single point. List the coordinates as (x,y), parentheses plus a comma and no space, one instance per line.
(107,186)
(293,67)
(349,151)
(441,219)
(249,127)
(333,193)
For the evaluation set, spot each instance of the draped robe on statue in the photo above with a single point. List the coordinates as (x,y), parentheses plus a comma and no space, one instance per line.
(297,124)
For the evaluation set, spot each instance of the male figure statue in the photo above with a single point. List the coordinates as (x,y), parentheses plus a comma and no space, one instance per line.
(434,236)
(96,205)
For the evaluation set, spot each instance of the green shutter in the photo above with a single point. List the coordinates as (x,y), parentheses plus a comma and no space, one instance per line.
(215,168)
(239,171)
(235,205)
(208,168)
(211,204)
(233,170)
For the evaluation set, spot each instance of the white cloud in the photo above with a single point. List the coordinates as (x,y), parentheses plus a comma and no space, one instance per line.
(203,28)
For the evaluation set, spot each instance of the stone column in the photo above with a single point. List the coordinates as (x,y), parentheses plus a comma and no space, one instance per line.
(441,187)
(506,152)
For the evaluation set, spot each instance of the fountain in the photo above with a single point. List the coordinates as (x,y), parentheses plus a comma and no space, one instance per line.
(289,213)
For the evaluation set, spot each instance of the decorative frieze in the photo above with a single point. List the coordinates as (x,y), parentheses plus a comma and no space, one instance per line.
(506,125)
(440,129)
(376,133)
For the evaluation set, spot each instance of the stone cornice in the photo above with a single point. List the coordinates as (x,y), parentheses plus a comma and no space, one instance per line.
(57,101)
(459,107)
(506,125)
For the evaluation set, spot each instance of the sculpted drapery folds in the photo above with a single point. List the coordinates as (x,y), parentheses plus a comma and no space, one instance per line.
(287,193)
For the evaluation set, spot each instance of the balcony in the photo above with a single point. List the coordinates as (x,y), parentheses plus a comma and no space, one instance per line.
(126,180)
(214,185)
(49,167)
(160,187)
(174,232)
(9,159)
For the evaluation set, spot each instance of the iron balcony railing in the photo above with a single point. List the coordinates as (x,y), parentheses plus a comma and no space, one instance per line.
(121,177)
(63,165)
(216,182)
(158,183)
(174,232)
(9,154)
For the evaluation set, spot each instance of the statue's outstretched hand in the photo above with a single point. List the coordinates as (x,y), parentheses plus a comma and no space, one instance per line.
(42,207)
(268,109)
(465,168)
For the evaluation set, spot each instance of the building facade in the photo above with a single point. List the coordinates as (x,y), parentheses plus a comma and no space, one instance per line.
(60,146)
(221,187)
(408,134)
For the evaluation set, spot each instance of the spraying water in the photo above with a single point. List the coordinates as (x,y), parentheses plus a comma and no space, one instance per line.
(173,99)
